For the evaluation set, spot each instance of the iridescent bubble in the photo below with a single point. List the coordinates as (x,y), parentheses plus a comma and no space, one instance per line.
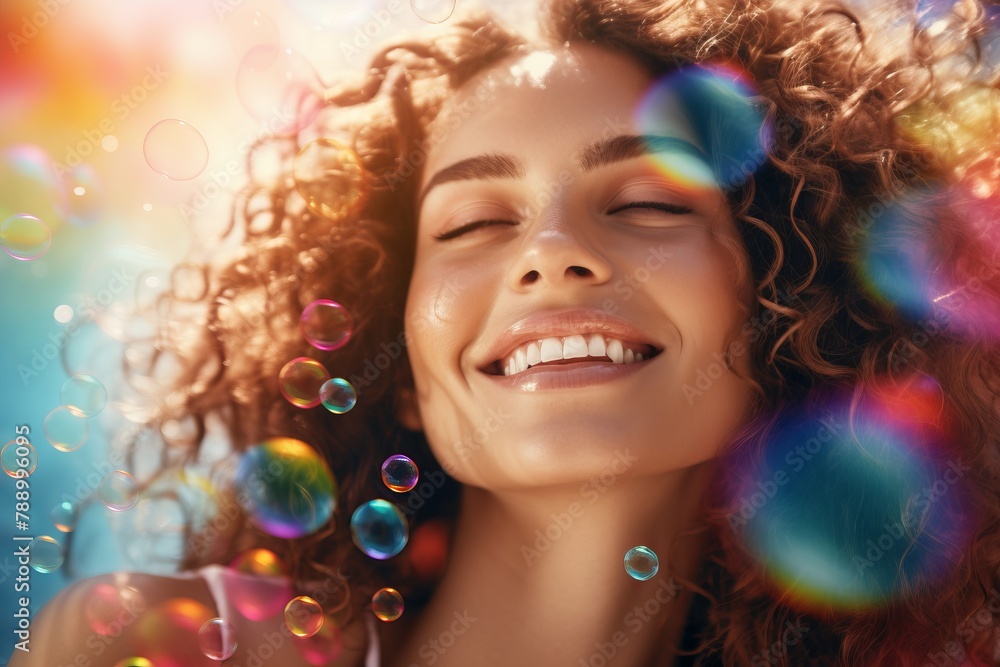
(379,529)
(400,473)
(718,102)
(45,554)
(289,490)
(338,395)
(330,178)
(85,196)
(433,11)
(259,562)
(300,381)
(387,604)
(64,516)
(303,616)
(641,563)
(65,429)
(25,237)
(134,662)
(118,491)
(838,506)
(326,324)
(248,27)
(84,395)
(279,87)
(29,183)
(105,606)
(175,149)
(217,639)
(323,647)
(15,457)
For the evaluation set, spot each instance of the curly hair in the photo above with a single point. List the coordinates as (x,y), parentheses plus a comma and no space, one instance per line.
(848,90)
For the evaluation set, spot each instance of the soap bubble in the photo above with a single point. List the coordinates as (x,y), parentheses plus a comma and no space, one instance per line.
(400,473)
(13,455)
(278,86)
(65,429)
(387,604)
(84,395)
(64,516)
(326,324)
(118,491)
(338,395)
(303,616)
(217,639)
(25,237)
(641,563)
(175,149)
(45,554)
(433,11)
(379,529)
(300,381)
(289,489)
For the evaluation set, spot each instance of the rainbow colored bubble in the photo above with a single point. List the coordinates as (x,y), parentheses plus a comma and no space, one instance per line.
(300,381)
(338,395)
(304,616)
(400,473)
(326,324)
(387,604)
(379,529)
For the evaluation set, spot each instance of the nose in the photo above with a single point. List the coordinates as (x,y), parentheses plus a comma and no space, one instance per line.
(557,251)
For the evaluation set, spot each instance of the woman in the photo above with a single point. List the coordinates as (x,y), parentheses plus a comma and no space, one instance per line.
(608,285)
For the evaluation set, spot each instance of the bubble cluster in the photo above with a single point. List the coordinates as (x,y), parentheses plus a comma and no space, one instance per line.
(175,149)
(387,604)
(300,381)
(45,554)
(66,429)
(303,616)
(379,529)
(217,639)
(63,516)
(25,237)
(326,324)
(84,395)
(118,491)
(330,178)
(289,489)
(641,563)
(433,11)
(338,395)
(14,454)
(400,473)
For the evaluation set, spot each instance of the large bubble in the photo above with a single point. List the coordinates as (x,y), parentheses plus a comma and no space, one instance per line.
(286,488)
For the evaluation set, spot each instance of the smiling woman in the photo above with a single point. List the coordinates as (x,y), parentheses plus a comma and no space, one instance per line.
(686,314)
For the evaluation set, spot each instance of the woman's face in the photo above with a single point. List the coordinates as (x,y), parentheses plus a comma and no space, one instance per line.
(546,232)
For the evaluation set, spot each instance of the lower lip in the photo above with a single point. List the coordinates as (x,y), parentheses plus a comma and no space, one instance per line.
(569,376)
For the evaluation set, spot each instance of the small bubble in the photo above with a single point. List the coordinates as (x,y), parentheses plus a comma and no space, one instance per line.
(379,529)
(326,324)
(329,176)
(641,563)
(118,491)
(84,395)
(109,143)
(64,516)
(175,149)
(300,381)
(13,455)
(387,604)
(338,395)
(45,554)
(303,616)
(63,314)
(433,11)
(400,473)
(25,237)
(217,639)
(66,429)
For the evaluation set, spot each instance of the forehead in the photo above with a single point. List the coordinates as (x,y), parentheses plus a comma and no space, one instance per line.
(546,104)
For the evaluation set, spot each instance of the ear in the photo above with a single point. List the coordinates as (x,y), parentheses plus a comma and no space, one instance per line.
(407,411)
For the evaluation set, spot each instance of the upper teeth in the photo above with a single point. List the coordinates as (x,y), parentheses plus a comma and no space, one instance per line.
(568,347)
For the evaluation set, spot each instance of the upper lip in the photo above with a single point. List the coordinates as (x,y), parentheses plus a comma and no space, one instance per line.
(565,322)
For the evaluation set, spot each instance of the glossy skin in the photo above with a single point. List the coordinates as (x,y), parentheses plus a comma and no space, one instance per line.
(572,238)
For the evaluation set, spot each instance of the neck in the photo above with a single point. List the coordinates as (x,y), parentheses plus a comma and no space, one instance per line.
(537,576)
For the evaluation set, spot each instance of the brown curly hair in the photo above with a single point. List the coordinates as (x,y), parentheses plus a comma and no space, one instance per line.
(843,88)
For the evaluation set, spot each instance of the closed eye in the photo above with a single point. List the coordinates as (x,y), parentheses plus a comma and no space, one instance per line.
(655,205)
(462,229)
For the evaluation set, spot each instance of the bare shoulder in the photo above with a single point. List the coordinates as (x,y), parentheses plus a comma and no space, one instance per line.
(103,620)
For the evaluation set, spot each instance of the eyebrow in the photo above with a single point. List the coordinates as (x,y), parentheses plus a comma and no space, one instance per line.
(600,153)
